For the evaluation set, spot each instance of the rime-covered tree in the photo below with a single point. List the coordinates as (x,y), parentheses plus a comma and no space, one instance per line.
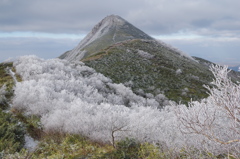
(217,118)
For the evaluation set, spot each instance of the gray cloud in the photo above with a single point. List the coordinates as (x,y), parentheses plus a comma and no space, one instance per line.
(154,16)
(221,51)
(44,48)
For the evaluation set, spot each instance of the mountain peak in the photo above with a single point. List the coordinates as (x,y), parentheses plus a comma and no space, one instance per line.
(114,18)
(106,24)
(110,30)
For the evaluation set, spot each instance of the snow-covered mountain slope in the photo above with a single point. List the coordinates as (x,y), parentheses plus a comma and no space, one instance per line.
(110,30)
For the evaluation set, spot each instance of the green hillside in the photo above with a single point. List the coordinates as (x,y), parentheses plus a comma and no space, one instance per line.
(149,66)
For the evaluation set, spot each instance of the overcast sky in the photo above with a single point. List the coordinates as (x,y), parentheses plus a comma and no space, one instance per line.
(205,28)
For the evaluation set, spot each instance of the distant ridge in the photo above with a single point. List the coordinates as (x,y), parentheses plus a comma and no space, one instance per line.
(110,30)
(235,68)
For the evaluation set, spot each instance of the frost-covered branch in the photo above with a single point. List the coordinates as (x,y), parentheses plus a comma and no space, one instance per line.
(218,117)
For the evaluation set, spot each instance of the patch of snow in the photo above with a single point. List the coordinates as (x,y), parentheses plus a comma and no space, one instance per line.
(114,37)
(195,77)
(30,143)
(179,71)
(145,54)
(13,75)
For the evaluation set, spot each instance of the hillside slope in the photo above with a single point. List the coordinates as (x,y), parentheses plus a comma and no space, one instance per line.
(150,67)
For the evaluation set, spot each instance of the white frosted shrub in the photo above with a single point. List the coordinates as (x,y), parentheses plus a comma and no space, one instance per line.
(73,98)
(56,79)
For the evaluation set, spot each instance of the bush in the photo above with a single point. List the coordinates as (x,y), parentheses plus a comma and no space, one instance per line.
(127,148)
(11,133)
(131,149)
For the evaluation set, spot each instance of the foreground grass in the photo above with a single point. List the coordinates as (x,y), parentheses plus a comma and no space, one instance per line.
(56,146)
(66,146)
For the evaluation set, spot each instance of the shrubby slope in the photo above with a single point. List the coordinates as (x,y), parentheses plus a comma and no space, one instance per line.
(148,66)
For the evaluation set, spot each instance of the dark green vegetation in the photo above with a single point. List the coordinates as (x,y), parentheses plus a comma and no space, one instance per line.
(5,79)
(153,68)
(11,133)
(11,130)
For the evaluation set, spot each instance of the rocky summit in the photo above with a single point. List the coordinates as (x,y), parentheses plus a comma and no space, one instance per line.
(110,30)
